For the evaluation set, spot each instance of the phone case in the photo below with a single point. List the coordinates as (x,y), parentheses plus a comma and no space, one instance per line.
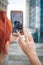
(17,21)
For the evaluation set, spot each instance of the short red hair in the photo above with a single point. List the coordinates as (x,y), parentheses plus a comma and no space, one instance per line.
(8,27)
(5,31)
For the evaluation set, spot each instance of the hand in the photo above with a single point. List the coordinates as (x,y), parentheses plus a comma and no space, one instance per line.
(28,45)
(13,37)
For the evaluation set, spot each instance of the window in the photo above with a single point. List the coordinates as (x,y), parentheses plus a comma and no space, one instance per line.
(0,3)
(35,18)
(32,3)
(38,2)
(5,6)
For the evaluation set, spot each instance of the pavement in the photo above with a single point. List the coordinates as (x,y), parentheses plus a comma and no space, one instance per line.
(17,56)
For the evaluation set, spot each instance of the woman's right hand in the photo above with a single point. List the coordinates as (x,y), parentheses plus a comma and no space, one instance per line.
(28,46)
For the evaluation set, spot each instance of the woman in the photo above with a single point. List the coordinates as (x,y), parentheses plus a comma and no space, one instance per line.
(27,46)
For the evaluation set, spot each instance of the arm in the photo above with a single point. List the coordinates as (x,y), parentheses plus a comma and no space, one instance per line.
(34,60)
(28,47)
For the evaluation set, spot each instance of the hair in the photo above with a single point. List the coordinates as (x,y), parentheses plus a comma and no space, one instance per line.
(5,31)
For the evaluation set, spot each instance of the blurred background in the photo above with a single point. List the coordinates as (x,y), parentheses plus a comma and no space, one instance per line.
(33,16)
(32,20)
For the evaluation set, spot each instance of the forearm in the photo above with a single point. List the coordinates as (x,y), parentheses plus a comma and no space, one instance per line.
(34,60)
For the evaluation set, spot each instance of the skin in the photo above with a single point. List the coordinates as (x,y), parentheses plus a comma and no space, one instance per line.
(3,55)
(27,46)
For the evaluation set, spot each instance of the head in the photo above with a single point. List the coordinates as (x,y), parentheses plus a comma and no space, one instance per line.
(5,30)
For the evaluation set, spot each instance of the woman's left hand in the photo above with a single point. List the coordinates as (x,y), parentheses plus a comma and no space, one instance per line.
(13,38)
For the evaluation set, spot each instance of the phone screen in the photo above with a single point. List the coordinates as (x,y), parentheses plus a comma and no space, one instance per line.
(17,21)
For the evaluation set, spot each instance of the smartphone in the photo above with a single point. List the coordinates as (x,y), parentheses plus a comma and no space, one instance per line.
(17,21)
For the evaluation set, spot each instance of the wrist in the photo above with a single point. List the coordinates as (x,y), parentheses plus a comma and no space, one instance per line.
(32,54)
(34,58)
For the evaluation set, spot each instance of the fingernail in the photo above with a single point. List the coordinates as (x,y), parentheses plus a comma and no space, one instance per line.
(23,29)
(16,30)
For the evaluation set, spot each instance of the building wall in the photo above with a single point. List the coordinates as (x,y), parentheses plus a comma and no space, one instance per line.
(34,14)
(36,19)
(3,5)
(41,27)
(41,20)
(27,14)
(5,1)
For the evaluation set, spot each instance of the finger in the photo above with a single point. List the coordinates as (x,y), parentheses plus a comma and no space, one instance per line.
(15,34)
(20,40)
(13,37)
(30,38)
(26,35)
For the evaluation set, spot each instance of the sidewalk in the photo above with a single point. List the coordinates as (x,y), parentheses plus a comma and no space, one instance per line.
(17,56)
